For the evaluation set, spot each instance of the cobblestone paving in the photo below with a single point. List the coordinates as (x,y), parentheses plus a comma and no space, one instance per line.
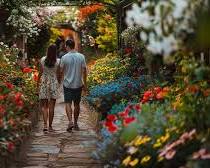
(61,149)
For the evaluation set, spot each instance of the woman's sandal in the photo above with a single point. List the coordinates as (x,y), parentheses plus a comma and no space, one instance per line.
(45,130)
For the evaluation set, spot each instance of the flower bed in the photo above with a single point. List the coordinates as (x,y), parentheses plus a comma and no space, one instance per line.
(162,130)
(103,97)
(106,69)
(18,104)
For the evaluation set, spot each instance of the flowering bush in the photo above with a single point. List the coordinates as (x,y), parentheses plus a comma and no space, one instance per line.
(106,70)
(84,12)
(107,29)
(17,97)
(167,24)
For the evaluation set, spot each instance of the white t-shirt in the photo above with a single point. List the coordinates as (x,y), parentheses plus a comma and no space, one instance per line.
(73,63)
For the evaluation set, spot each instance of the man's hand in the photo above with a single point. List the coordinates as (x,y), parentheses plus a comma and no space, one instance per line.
(85,90)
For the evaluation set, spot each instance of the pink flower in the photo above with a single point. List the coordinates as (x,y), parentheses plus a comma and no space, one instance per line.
(170,154)
(201,154)
(2,97)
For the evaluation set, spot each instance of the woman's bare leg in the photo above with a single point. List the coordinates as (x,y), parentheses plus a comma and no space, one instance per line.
(44,108)
(51,112)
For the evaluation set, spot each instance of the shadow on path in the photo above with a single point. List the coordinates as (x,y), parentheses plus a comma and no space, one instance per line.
(61,149)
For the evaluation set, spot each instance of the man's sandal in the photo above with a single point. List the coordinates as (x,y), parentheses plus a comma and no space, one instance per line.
(70,127)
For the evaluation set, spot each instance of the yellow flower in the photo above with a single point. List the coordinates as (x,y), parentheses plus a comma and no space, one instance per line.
(165,138)
(157,144)
(139,140)
(160,159)
(162,139)
(134,162)
(145,159)
(126,161)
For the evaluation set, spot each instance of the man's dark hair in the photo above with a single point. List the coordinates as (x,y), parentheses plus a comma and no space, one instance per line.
(70,43)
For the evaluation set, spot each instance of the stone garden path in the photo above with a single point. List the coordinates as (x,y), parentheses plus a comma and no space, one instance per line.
(61,149)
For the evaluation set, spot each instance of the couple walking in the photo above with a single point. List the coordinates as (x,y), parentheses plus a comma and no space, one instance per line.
(71,69)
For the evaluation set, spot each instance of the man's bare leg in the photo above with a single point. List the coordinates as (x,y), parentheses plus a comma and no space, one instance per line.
(76,115)
(69,115)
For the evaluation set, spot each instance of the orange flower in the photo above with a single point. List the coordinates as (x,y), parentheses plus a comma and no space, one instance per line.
(193,89)
(206,93)
(36,76)
(84,12)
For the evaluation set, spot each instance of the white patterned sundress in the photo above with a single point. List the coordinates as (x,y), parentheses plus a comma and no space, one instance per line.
(49,86)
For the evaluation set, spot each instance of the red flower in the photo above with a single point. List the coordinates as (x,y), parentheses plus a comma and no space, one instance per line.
(18,95)
(107,123)
(157,90)
(27,70)
(148,94)
(36,76)
(112,128)
(2,109)
(111,117)
(126,112)
(9,85)
(137,107)
(10,147)
(128,120)
(18,100)
(128,50)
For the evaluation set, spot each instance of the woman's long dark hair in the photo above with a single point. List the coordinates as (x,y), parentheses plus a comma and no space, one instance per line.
(51,56)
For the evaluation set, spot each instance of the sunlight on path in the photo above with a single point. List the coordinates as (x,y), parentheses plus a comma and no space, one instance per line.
(60,148)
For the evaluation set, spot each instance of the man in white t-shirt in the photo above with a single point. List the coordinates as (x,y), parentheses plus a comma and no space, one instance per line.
(73,67)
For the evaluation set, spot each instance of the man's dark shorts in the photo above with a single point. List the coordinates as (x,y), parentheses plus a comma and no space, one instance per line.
(72,95)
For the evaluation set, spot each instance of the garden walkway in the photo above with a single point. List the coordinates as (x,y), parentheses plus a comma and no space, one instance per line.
(62,149)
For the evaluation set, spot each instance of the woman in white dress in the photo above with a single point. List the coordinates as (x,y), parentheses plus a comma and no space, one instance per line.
(49,86)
